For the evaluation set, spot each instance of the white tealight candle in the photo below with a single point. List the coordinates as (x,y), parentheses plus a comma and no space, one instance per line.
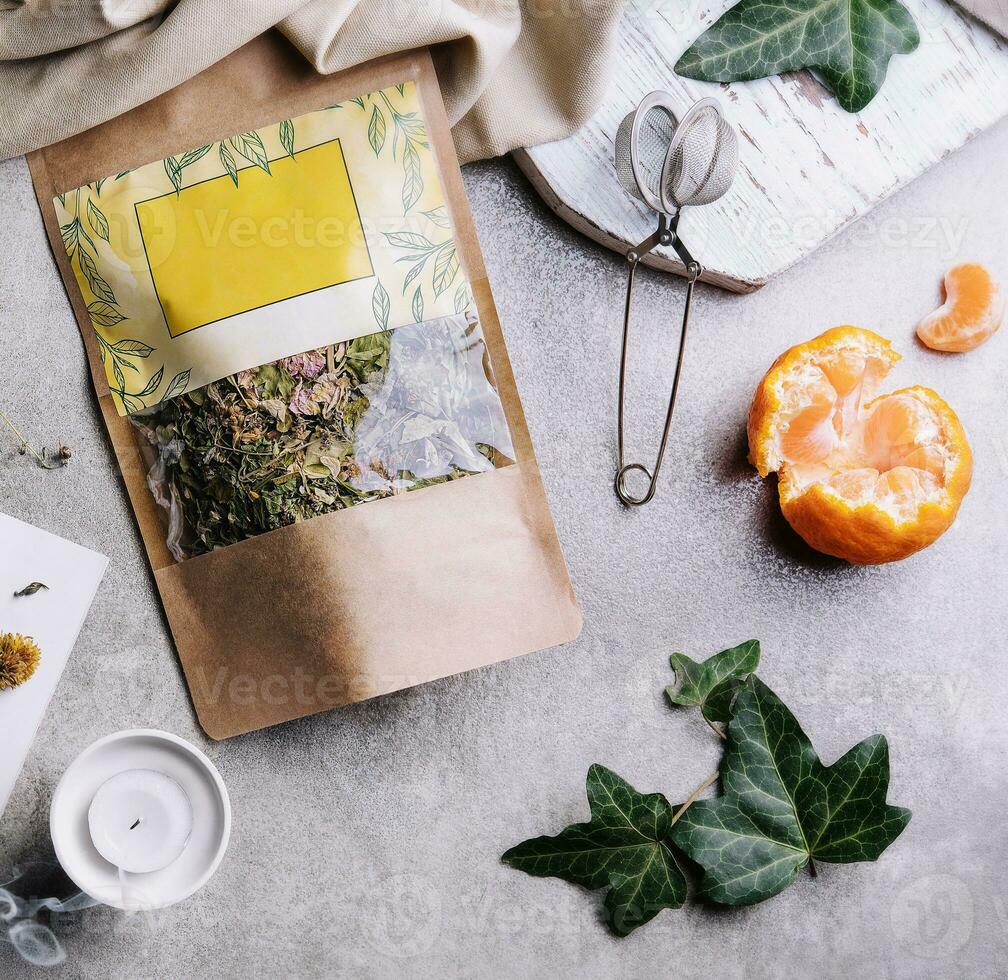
(140,820)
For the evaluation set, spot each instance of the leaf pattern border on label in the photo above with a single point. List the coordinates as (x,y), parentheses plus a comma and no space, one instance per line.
(433,265)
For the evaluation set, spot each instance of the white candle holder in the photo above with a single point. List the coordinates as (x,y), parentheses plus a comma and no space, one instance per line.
(152,750)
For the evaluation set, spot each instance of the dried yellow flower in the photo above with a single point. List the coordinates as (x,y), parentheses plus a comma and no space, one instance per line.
(19,656)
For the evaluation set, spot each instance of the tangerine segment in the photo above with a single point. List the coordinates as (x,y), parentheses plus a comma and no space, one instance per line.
(972,311)
(866,477)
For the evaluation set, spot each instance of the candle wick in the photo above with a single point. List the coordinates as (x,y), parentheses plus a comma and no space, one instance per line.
(137,823)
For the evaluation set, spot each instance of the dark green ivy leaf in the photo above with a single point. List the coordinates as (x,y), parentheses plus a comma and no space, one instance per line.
(781,806)
(623,847)
(847,42)
(713,684)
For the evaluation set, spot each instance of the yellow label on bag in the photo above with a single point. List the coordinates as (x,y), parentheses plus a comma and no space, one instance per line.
(299,235)
(274,236)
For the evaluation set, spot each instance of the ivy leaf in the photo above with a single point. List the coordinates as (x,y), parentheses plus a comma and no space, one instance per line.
(623,847)
(97,220)
(782,807)
(713,684)
(376,130)
(847,42)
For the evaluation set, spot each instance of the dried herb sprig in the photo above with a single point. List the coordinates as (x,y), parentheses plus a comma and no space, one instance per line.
(30,589)
(19,656)
(46,459)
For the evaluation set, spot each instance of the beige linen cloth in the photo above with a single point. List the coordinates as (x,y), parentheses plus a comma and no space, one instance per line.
(514,72)
(992,12)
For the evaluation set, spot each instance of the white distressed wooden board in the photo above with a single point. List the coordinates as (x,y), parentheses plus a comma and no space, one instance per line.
(806,167)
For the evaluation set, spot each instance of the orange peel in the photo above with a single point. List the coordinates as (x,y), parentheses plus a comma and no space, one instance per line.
(867,477)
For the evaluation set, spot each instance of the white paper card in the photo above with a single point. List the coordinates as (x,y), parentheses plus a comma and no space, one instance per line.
(52,617)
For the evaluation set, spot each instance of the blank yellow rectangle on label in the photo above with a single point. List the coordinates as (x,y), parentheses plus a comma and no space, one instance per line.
(216,250)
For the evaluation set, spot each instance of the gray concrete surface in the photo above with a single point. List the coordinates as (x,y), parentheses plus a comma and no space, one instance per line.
(366,841)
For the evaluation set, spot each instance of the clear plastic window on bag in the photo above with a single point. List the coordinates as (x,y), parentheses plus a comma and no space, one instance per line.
(379,415)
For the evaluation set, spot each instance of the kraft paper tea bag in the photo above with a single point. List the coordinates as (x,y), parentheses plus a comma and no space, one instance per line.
(297,355)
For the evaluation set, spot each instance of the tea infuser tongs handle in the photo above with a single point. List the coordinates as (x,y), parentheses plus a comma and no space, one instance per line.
(665,234)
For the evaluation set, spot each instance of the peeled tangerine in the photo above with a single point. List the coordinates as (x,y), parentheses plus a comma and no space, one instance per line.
(869,479)
(971,313)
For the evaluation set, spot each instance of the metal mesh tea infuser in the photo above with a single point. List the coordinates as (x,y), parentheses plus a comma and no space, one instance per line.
(669,164)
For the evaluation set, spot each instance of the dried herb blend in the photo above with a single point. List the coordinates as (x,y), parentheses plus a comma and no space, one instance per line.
(326,429)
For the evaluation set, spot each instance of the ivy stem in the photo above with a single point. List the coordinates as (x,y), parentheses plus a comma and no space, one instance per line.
(692,798)
(714,728)
(812,868)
